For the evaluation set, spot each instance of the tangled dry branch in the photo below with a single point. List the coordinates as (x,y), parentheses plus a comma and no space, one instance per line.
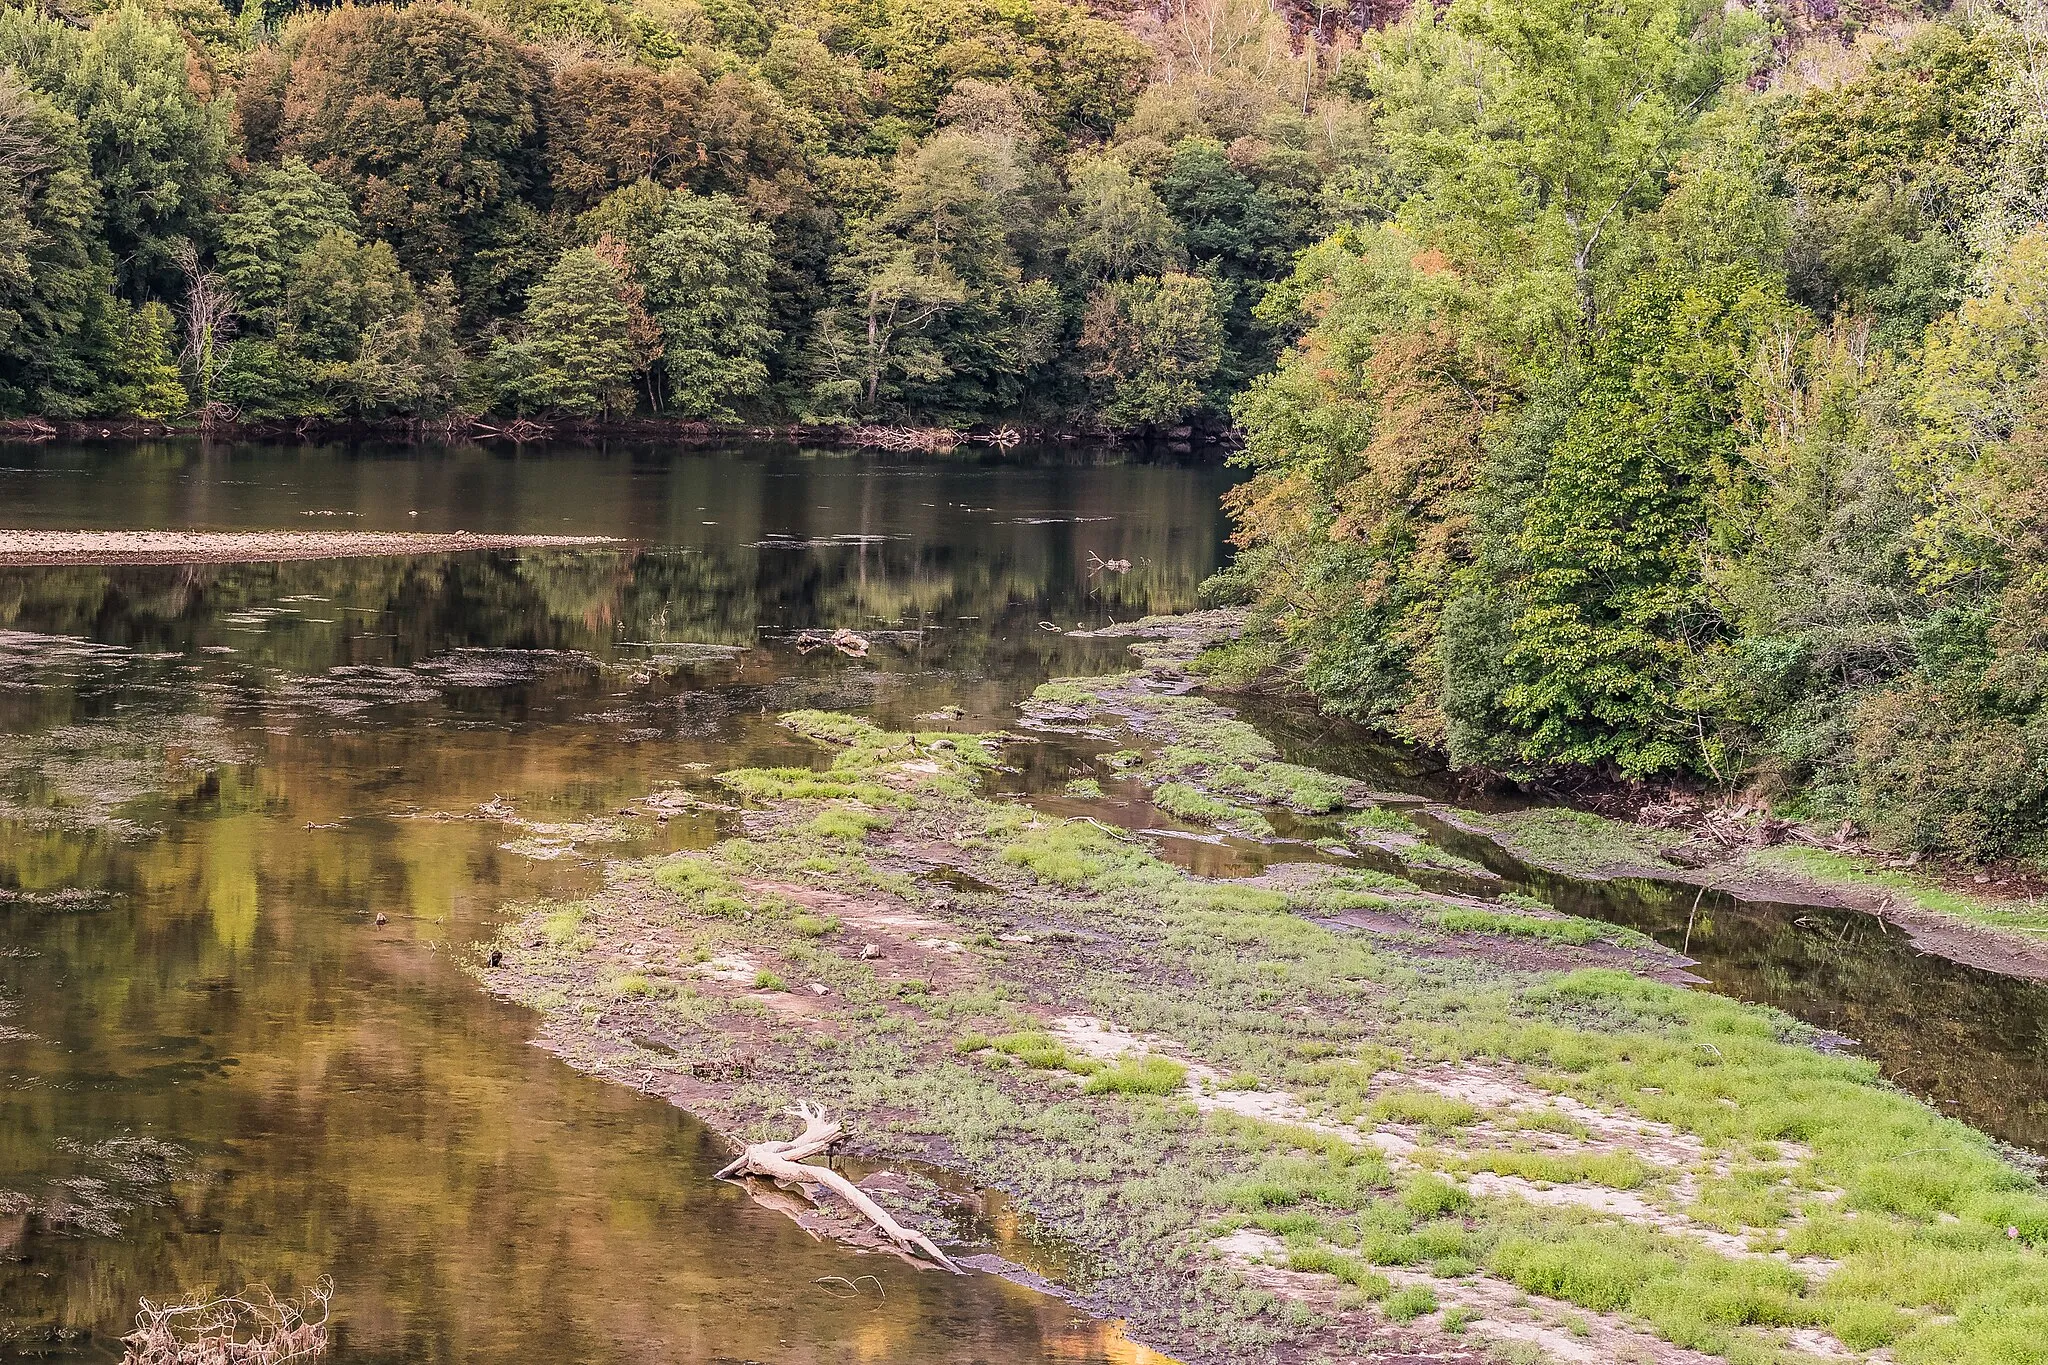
(254,1327)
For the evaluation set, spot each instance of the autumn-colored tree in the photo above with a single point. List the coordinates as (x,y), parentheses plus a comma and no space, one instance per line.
(610,125)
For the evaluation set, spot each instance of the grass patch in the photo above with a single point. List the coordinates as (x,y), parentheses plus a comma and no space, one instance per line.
(1316,1258)
(1424,1107)
(1555,929)
(632,984)
(1044,1052)
(709,889)
(846,824)
(563,927)
(814,926)
(1840,869)
(1408,1304)
(1384,819)
(1197,807)
(1138,1075)
(1576,841)
(1071,853)
(765,980)
(1614,1170)
(1241,662)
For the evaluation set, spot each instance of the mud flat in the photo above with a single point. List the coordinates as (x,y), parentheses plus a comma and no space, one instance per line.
(1321,1113)
(249,547)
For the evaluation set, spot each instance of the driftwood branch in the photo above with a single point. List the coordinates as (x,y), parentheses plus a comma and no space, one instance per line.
(783,1161)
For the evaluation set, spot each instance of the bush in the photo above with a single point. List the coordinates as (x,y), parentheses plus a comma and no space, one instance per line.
(1934,771)
(1408,1304)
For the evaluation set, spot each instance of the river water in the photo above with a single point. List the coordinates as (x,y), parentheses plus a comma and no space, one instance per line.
(217,1066)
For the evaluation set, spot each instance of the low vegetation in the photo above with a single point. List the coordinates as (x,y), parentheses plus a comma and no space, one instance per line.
(1268,1131)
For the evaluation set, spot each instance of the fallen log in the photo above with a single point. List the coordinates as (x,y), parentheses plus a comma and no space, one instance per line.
(783,1161)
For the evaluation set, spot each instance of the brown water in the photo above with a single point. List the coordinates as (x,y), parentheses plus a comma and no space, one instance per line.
(217,1068)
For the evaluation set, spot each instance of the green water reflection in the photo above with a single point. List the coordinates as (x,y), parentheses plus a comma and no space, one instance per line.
(217,1067)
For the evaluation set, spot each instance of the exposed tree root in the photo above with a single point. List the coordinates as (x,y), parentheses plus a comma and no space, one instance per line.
(783,1161)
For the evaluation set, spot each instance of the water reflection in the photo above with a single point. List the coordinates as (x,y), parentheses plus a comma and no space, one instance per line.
(219,1066)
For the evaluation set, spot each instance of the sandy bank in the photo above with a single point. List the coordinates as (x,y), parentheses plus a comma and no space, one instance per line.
(236,547)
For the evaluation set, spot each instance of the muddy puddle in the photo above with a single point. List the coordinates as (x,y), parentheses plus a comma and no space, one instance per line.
(252,814)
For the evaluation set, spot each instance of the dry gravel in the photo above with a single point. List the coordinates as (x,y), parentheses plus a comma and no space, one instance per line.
(247,547)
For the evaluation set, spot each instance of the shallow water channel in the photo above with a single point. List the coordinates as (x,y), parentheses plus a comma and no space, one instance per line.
(217,1066)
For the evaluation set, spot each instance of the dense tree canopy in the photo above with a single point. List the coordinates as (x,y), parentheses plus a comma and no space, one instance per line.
(1674,410)
(905,210)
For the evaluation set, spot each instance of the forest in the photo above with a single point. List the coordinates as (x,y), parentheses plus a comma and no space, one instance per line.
(930,211)
(1684,416)
(1647,390)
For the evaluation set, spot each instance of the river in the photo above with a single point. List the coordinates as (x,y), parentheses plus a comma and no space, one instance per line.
(238,874)
(218,1066)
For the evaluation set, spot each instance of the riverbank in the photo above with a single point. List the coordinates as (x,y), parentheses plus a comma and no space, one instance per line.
(254,547)
(1320,1111)
(1967,915)
(1992,916)
(525,431)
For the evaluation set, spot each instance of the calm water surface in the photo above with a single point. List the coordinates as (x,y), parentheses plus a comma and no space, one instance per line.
(216,1067)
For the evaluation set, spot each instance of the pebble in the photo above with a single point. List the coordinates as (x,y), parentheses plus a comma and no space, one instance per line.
(870,952)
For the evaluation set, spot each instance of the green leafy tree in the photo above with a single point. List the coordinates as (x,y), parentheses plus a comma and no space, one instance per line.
(629,215)
(56,313)
(146,382)
(1117,227)
(813,78)
(576,357)
(359,337)
(1153,344)
(280,213)
(875,343)
(157,150)
(1615,621)
(1534,131)
(706,274)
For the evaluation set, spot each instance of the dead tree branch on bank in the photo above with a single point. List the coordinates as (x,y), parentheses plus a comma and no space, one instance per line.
(783,1161)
